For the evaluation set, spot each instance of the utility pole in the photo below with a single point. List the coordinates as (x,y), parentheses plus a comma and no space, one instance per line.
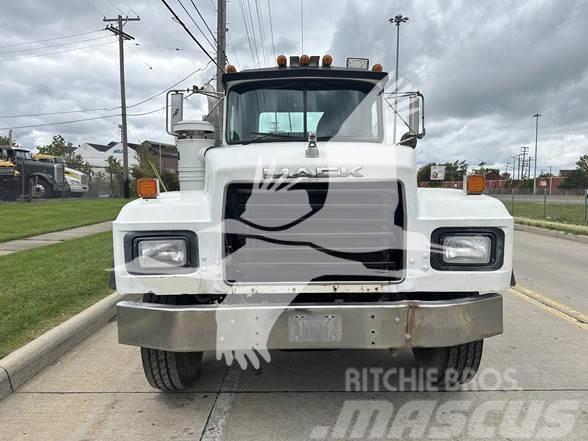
(397,20)
(536,116)
(221,61)
(122,36)
(524,151)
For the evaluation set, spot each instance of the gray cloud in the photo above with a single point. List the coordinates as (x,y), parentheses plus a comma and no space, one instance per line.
(484,67)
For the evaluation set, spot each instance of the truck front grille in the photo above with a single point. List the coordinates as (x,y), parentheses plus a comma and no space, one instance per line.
(314,232)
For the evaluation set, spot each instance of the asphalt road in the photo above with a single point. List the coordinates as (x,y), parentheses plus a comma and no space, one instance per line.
(533,383)
(557,268)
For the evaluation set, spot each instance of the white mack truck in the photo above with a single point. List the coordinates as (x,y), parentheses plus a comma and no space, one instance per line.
(303,229)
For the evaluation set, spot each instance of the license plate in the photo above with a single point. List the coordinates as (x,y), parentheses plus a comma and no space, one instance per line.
(307,327)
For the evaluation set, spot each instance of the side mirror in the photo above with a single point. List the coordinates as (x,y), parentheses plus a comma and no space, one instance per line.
(414,115)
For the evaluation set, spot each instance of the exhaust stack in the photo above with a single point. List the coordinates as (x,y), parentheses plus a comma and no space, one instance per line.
(192,140)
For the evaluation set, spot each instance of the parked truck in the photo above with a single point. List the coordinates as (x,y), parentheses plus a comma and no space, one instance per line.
(302,228)
(76,180)
(9,179)
(42,180)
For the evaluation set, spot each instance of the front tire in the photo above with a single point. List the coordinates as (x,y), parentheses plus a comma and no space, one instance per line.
(455,365)
(166,370)
(41,189)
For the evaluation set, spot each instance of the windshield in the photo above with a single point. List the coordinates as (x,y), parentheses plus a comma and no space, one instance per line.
(20,154)
(270,111)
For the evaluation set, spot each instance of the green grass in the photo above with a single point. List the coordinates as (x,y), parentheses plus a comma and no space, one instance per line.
(557,226)
(560,213)
(22,219)
(43,287)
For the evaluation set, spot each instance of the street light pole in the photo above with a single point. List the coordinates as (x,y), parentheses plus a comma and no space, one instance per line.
(536,116)
(397,20)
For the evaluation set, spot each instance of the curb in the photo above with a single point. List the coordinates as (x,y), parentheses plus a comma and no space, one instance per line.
(24,363)
(552,233)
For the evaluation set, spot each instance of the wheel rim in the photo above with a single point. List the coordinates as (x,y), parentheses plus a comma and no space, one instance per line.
(39,190)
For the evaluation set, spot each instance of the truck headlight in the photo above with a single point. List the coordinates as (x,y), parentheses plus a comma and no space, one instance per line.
(161,252)
(467,249)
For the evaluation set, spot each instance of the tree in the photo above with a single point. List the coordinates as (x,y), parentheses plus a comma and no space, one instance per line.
(66,150)
(454,171)
(4,140)
(148,161)
(577,178)
(115,172)
(489,173)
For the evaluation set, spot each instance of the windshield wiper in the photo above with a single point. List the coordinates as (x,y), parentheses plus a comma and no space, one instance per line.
(274,134)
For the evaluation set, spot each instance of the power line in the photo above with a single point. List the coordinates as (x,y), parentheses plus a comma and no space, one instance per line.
(105,109)
(253,32)
(60,122)
(58,52)
(63,37)
(191,35)
(244,15)
(200,69)
(233,48)
(196,24)
(54,45)
(94,8)
(261,31)
(203,20)
(177,49)
(269,9)
(302,25)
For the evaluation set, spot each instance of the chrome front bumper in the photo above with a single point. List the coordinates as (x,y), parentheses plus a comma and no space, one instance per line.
(384,325)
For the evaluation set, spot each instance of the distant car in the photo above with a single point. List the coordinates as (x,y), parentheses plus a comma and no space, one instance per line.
(76,180)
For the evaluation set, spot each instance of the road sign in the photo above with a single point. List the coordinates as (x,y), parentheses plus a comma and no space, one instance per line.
(437,173)
(543,183)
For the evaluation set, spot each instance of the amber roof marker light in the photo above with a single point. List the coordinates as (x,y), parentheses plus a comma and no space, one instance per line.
(231,69)
(475,184)
(327,60)
(147,188)
(282,61)
(304,60)
(377,68)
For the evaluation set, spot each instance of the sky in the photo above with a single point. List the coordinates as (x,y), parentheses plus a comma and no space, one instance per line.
(484,67)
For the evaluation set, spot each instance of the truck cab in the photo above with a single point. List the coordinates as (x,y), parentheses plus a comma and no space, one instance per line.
(302,228)
(77,181)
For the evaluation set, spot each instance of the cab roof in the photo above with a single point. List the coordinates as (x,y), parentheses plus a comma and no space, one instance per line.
(304,72)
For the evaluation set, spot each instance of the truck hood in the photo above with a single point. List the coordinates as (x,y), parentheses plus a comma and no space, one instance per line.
(347,160)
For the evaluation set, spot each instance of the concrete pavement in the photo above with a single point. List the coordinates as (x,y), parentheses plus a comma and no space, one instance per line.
(42,240)
(97,391)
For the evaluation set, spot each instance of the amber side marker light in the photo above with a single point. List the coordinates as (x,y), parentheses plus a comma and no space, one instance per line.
(327,60)
(475,184)
(282,60)
(148,188)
